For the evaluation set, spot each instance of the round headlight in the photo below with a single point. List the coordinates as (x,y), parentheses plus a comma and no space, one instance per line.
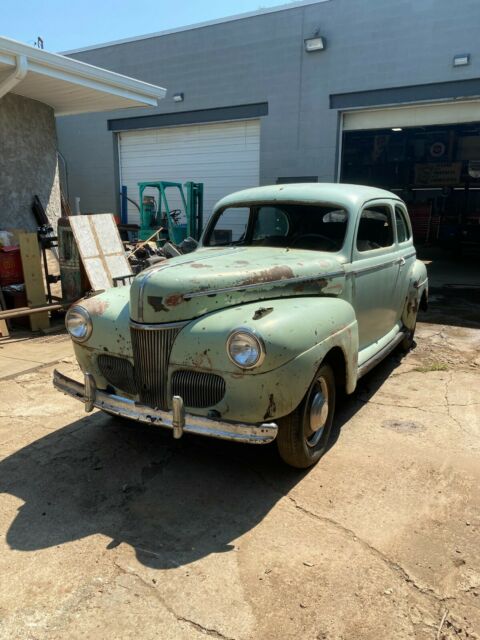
(245,349)
(78,323)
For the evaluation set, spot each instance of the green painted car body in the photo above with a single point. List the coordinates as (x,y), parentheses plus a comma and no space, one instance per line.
(348,307)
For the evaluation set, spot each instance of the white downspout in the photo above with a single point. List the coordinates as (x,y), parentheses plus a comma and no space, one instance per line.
(16,76)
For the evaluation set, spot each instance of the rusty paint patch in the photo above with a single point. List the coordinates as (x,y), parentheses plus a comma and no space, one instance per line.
(200,265)
(240,262)
(271,409)
(97,306)
(174,299)
(269,275)
(157,303)
(202,358)
(319,283)
(335,289)
(263,311)
(412,305)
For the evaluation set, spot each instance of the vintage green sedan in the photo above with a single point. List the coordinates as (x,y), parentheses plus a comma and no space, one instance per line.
(295,292)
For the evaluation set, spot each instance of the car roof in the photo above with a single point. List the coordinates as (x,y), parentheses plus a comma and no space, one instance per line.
(309,192)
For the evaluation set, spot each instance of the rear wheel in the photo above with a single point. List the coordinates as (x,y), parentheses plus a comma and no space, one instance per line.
(407,343)
(303,435)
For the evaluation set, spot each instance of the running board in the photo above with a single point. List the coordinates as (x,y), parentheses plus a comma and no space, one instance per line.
(383,353)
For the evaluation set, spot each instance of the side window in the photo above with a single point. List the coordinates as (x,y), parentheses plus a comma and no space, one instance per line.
(403,231)
(230,227)
(375,229)
(270,222)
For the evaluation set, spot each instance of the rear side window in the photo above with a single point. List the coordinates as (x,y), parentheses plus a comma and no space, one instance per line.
(375,229)
(403,231)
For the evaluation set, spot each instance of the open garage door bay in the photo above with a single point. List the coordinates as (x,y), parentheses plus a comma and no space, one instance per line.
(430,156)
(224,156)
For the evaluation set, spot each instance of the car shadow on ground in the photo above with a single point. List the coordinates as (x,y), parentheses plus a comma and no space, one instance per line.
(172,501)
(367,387)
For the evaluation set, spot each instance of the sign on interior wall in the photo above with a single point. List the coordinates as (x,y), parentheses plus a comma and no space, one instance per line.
(438,175)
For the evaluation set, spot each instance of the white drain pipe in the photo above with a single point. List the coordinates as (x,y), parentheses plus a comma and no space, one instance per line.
(21,68)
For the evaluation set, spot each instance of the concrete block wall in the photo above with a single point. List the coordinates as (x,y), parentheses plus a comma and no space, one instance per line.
(28,161)
(371,44)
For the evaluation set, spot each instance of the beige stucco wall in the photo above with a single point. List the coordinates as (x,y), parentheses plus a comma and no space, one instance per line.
(28,161)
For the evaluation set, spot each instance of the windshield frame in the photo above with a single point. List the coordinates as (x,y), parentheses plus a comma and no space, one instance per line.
(254,206)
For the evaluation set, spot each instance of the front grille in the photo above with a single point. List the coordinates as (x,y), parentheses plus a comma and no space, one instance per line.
(151,352)
(198,389)
(118,372)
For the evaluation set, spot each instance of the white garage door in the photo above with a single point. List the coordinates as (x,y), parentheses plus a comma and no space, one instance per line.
(224,156)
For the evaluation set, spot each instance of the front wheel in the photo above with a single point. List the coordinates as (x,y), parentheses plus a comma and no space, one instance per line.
(303,435)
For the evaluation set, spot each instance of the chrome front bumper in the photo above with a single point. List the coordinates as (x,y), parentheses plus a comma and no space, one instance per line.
(179,421)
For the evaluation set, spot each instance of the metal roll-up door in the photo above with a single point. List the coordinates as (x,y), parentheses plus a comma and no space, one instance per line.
(224,156)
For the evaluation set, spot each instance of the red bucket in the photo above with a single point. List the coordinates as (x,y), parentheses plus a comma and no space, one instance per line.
(11,271)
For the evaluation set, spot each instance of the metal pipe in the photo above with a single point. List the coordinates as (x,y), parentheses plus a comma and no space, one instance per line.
(21,68)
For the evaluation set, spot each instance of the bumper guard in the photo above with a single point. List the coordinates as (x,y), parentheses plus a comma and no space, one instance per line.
(179,421)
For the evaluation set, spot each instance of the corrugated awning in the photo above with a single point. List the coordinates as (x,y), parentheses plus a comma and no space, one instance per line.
(69,86)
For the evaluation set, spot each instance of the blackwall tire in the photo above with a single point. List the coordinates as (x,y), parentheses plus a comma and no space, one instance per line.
(303,435)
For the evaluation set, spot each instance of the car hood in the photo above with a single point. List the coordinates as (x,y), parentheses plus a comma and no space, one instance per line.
(209,279)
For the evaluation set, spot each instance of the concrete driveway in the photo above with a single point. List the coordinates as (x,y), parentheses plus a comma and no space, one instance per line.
(113,530)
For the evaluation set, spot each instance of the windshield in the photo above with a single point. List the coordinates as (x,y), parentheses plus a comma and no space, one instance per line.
(300,226)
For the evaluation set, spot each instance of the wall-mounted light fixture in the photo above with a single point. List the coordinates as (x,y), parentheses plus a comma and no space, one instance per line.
(461,60)
(317,43)
(397,129)
(178,97)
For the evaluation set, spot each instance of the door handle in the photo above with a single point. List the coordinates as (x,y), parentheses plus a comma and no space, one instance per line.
(401,261)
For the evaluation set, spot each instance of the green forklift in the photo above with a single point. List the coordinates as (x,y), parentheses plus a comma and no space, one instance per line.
(176,221)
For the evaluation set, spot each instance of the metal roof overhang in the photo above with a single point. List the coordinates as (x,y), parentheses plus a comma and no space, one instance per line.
(69,86)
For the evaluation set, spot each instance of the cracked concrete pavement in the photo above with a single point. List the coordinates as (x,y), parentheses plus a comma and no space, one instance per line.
(113,530)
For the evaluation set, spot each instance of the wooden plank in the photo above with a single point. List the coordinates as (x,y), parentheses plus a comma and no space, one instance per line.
(4,333)
(15,233)
(32,273)
(27,311)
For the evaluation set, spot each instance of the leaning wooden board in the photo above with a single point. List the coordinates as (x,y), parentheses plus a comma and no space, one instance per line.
(4,333)
(100,248)
(33,276)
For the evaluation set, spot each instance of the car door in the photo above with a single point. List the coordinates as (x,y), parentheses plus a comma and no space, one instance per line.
(374,272)
(405,254)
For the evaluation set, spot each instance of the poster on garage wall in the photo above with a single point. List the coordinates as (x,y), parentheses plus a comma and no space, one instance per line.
(439,174)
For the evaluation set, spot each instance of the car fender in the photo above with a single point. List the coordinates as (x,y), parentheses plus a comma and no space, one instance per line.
(288,328)
(417,293)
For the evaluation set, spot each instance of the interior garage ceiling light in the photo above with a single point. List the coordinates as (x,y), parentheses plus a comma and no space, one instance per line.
(397,129)
(315,44)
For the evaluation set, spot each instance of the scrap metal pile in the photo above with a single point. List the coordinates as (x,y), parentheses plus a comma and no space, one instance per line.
(145,254)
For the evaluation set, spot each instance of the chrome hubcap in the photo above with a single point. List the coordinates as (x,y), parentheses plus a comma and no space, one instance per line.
(318,413)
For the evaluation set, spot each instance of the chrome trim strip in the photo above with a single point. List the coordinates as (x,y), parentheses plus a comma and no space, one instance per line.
(374,360)
(140,292)
(383,265)
(158,327)
(118,406)
(148,273)
(375,267)
(256,285)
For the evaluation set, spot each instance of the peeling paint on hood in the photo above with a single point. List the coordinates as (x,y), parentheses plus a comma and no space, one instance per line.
(210,279)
